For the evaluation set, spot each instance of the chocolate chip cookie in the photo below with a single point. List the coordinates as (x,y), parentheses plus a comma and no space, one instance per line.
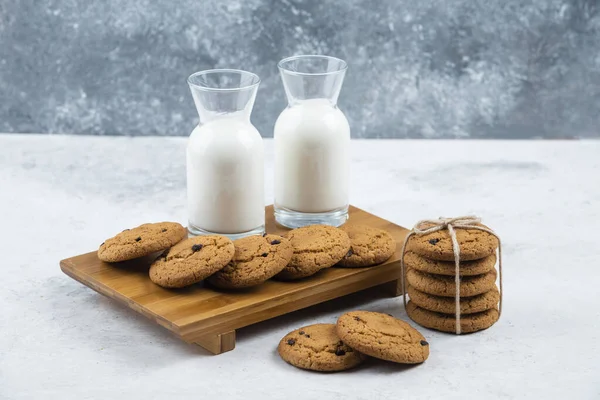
(191,261)
(468,305)
(474,244)
(382,336)
(443,285)
(141,241)
(256,259)
(368,246)
(475,267)
(318,348)
(315,247)
(447,322)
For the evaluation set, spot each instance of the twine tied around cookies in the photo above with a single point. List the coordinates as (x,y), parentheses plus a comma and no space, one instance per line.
(427,226)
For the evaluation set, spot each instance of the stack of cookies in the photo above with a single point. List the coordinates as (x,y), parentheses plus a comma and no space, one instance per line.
(431,286)
(356,336)
(179,262)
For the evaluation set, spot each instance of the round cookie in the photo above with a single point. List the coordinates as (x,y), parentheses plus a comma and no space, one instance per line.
(467,268)
(141,241)
(315,247)
(382,336)
(368,246)
(256,259)
(191,261)
(318,348)
(474,244)
(443,285)
(468,305)
(447,322)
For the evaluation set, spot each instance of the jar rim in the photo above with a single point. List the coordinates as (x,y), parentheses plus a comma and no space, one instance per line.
(254,80)
(342,65)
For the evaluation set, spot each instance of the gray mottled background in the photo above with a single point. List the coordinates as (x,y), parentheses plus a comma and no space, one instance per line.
(463,68)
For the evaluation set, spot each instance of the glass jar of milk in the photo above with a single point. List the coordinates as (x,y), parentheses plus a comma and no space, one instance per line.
(225,161)
(312,144)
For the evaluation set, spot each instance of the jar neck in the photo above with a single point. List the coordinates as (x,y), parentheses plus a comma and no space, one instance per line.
(312,77)
(220,94)
(304,88)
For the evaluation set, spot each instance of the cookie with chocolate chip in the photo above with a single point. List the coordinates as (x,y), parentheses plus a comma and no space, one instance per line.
(368,246)
(467,268)
(318,348)
(256,259)
(382,336)
(141,241)
(316,247)
(191,261)
(474,244)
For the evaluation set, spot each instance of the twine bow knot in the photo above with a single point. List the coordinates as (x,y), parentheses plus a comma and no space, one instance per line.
(422,227)
(428,226)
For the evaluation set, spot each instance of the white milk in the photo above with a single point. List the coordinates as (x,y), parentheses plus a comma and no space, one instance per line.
(312,159)
(225,188)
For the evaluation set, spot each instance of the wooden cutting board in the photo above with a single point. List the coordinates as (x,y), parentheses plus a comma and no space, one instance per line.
(209,317)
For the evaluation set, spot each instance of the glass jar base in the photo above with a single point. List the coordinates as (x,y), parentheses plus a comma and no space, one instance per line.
(296,219)
(195,231)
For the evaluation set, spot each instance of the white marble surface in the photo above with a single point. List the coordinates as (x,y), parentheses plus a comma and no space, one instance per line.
(61,196)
